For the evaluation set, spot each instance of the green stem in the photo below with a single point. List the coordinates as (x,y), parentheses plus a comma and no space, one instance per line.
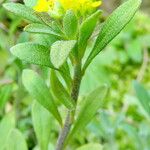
(69,118)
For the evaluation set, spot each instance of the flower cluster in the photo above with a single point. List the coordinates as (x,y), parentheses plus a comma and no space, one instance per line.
(78,6)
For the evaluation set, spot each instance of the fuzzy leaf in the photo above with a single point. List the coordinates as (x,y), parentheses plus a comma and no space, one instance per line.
(32,53)
(60,92)
(60,50)
(143,96)
(22,10)
(65,73)
(89,108)
(113,26)
(40,28)
(16,141)
(86,30)
(42,124)
(70,24)
(39,90)
(30,3)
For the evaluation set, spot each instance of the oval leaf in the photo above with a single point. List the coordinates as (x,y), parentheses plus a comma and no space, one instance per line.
(70,24)
(60,92)
(16,141)
(40,28)
(32,53)
(6,125)
(86,30)
(60,50)
(42,124)
(89,108)
(113,26)
(38,90)
(22,10)
(143,96)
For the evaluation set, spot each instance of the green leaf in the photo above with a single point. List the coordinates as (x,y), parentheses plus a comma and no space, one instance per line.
(113,26)
(39,90)
(16,141)
(42,124)
(91,146)
(32,53)
(6,125)
(60,50)
(40,28)
(70,24)
(5,93)
(60,92)
(86,30)
(89,108)
(143,96)
(23,11)
(65,73)
(30,3)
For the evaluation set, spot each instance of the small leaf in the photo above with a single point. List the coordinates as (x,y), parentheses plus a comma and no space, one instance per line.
(42,125)
(5,93)
(39,90)
(91,146)
(40,28)
(70,24)
(6,125)
(143,96)
(16,141)
(113,26)
(30,3)
(60,92)
(86,30)
(65,73)
(60,50)
(22,10)
(89,108)
(32,53)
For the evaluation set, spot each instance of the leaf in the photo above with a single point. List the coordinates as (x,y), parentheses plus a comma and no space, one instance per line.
(42,124)
(113,26)
(89,108)
(30,3)
(91,146)
(65,73)
(32,53)
(134,50)
(5,93)
(16,141)
(70,24)
(23,11)
(143,96)
(6,125)
(86,30)
(40,28)
(60,50)
(60,92)
(39,90)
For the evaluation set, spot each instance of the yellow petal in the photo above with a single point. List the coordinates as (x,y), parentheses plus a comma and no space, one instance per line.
(96,4)
(42,6)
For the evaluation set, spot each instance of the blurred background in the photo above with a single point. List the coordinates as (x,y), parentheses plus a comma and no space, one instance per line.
(123,122)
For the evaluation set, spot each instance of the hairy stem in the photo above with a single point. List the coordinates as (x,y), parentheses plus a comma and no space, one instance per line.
(69,118)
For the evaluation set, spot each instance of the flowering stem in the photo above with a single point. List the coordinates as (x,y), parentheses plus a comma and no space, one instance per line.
(69,118)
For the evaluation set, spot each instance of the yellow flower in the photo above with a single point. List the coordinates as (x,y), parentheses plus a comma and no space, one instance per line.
(79,6)
(44,5)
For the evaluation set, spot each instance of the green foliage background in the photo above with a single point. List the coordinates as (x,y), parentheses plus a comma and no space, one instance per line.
(123,122)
